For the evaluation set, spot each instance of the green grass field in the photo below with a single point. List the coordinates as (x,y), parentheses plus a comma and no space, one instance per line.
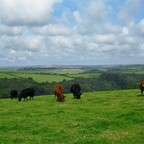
(36,77)
(59,74)
(108,117)
(47,77)
(44,77)
(6,75)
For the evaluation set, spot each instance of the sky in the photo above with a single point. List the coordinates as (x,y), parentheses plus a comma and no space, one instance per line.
(71,32)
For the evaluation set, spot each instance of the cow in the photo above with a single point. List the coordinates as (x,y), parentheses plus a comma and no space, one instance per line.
(58,92)
(13,94)
(141,86)
(25,93)
(76,90)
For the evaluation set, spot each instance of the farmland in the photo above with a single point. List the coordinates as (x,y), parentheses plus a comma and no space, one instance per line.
(91,78)
(46,76)
(99,117)
(59,74)
(110,111)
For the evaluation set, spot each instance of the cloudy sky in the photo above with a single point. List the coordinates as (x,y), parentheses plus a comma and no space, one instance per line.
(71,32)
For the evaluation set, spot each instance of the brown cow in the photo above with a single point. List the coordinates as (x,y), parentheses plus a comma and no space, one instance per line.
(58,91)
(142,86)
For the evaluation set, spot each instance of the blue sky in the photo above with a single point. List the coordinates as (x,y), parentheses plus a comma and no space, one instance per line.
(71,32)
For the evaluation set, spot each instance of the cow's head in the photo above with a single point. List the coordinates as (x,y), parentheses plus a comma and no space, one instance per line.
(79,95)
(62,98)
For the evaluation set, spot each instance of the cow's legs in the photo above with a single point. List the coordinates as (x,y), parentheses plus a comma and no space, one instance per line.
(141,91)
(75,96)
(78,97)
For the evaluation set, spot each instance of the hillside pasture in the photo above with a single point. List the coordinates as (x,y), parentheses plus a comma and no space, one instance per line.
(58,74)
(6,75)
(136,71)
(104,117)
(48,77)
(43,77)
(36,77)
(67,71)
(127,70)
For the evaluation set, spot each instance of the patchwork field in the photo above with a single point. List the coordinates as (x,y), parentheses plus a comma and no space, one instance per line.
(104,117)
(47,77)
(59,74)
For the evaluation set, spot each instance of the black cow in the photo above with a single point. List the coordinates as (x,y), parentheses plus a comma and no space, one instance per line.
(13,94)
(25,93)
(76,90)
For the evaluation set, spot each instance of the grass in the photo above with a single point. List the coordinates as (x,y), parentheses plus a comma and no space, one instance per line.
(6,75)
(99,117)
(45,77)
(36,77)
(58,75)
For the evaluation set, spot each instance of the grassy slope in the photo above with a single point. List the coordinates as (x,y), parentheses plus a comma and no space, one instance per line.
(99,117)
(44,77)
(47,77)
(36,77)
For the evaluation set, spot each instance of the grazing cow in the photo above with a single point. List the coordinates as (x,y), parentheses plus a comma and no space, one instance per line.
(142,86)
(13,94)
(58,92)
(76,90)
(25,93)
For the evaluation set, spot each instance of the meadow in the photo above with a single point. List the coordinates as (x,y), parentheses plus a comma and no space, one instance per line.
(103,117)
(42,77)
(47,76)
(60,73)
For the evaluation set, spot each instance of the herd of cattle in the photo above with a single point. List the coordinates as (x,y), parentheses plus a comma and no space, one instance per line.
(58,92)
(24,94)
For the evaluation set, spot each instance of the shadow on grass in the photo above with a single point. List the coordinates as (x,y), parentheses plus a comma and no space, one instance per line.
(139,95)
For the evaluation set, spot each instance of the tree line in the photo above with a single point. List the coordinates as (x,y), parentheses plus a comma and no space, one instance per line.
(106,81)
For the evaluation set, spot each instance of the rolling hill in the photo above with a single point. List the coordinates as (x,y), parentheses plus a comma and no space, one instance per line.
(103,117)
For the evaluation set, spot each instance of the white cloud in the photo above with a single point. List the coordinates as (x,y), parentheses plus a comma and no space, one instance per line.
(97,10)
(26,12)
(77,17)
(125,31)
(140,27)
(31,32)
(8,30)
(127,12)
(52,29)
(21,58)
